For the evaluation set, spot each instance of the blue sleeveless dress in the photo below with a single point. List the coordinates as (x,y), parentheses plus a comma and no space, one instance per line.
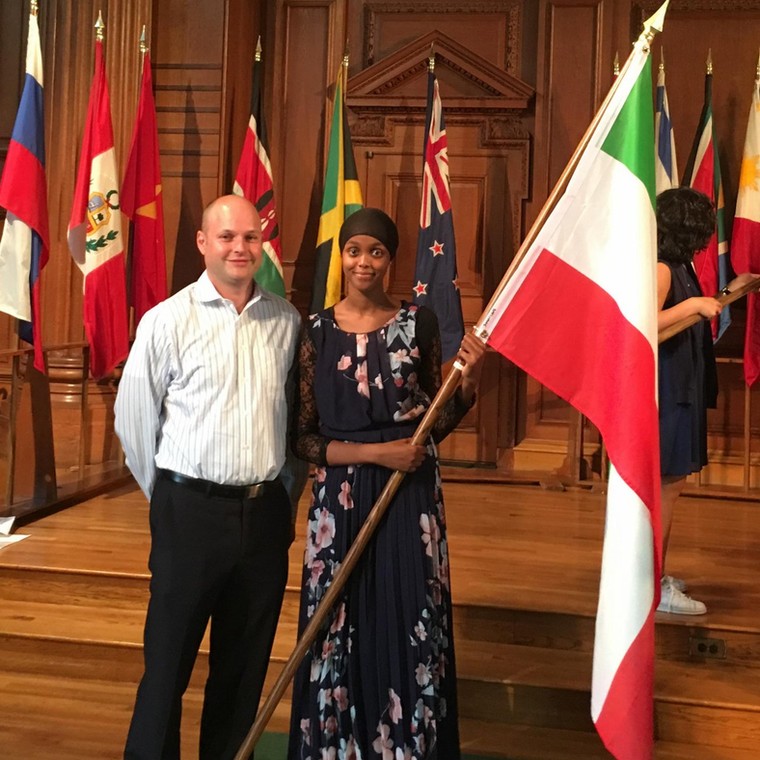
(687,384)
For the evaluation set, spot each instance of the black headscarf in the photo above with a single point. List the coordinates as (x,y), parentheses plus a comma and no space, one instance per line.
(372,222)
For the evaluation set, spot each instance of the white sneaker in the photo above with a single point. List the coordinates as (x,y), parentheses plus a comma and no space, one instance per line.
(678,583)
(677,603)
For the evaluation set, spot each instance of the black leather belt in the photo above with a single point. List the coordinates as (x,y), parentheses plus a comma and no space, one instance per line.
(210,488)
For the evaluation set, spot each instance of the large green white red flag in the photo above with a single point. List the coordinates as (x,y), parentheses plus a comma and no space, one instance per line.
(579,315)
(745,239)
(95,237)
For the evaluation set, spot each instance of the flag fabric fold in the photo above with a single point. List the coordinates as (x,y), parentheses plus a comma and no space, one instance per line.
(253,180)
(142,201)
(666,169)
(435,276)
(95,237)
(745,237)
(24,246)
(341,197)
(579,315)
(703,173)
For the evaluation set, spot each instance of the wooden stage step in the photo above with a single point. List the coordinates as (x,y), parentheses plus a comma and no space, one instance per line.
(524,577)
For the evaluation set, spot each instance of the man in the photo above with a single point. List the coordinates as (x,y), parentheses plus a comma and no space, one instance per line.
(202,415)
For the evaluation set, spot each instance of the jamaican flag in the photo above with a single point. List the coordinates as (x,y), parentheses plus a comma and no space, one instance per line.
(341,197)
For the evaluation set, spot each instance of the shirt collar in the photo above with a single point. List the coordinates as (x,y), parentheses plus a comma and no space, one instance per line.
(206,292)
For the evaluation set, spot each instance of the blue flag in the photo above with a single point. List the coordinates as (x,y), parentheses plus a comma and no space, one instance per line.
(436,269)
(666,171)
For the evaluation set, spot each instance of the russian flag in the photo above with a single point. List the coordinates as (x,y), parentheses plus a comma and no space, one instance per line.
(23,192)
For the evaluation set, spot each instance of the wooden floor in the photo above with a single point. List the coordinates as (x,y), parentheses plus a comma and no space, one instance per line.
(525,569)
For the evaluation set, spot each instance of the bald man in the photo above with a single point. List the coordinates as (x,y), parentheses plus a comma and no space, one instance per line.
(202,413)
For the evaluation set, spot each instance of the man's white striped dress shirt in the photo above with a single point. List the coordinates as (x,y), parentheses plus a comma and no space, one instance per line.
(203,390)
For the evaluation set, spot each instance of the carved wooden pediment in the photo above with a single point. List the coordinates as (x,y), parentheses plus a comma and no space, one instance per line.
(468,81)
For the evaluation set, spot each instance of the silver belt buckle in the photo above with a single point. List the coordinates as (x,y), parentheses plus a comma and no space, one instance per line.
(254,491)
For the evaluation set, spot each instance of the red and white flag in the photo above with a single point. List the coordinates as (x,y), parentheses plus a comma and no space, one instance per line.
(745,239)
(579,315)
(95,238)
(142,201)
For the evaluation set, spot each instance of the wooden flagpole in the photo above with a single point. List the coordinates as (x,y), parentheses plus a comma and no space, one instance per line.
(323,609)
(687,322)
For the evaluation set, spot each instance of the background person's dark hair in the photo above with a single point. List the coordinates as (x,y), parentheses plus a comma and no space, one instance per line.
(685,224)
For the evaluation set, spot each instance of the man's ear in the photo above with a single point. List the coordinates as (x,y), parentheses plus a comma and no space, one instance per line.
(200,241)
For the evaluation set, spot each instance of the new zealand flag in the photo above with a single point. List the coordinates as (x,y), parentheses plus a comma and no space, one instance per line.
(436,270)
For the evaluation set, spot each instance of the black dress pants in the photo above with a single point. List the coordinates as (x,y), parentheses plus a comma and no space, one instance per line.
(218,558)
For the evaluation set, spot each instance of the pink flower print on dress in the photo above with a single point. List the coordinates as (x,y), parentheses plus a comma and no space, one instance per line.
(362,379)
(317,568)
(348,750)
(325,530)
(442,665)
(399,357)
(340,694)
(426,537)
(328,753)
(344,363)
(325,698)
(383,744)
(378,381)
(344,497)
(422,674)
(394,706)
(361,345)
(340,619)
(331,726)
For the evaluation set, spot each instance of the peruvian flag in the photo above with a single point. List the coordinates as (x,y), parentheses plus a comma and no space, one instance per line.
(579,315)
(253,181)
(95,238)
(703,174)
(142,201)
(24,245)
(745,240)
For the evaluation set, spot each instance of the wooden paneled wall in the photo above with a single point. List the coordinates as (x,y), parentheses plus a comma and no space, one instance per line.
(504,158)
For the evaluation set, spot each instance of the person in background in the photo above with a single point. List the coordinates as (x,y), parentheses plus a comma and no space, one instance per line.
(688,383)
(202,415)
(380,680)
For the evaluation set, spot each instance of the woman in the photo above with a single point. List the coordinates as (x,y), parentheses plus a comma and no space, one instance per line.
(380,680)
(687,375)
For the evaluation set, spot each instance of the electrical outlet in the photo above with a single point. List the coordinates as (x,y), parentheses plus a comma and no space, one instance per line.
(702,646)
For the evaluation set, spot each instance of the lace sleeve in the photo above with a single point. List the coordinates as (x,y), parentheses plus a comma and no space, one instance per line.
(429,342)
(308,443)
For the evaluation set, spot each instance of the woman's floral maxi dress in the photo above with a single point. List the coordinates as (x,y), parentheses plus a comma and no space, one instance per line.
(380,680)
